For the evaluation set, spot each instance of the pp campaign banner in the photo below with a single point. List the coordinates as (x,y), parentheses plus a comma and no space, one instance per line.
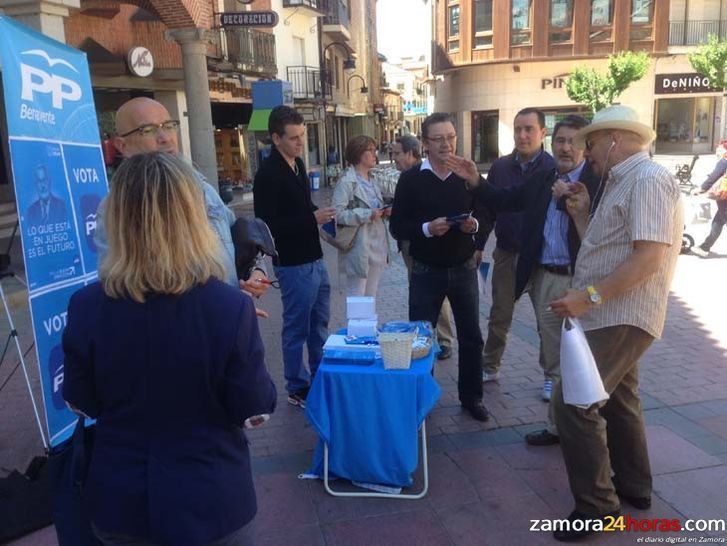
(59,176)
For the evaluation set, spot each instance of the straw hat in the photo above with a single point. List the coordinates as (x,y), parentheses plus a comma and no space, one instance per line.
(619,117)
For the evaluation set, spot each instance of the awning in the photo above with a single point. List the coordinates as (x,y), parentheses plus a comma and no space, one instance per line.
(259,120)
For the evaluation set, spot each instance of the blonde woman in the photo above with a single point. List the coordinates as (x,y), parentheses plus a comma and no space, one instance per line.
(168,359)
(358,202)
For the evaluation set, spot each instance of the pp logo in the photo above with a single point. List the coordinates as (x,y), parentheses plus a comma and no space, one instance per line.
(55,368)
(36,80)
(89,205)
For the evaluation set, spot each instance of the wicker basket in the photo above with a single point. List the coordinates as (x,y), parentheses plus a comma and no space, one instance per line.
(396,349)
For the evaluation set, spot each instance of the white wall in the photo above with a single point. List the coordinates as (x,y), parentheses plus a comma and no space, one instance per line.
(300,26)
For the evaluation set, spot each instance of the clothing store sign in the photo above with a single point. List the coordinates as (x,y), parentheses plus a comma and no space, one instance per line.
(665,84)
(60,179)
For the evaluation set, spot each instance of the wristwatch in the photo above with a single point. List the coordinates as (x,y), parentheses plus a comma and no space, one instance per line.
(593,296)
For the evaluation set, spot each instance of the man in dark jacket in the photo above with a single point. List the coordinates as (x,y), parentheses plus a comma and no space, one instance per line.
(528,161)
(283,201)
(549,242)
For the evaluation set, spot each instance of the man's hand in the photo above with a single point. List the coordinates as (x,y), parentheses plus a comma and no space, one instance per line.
(439,226)
(573,304)
(469,225)
(260,313)
(376,214)
(560,188)
(325,215)
(478,257)
(256,285)
(464,168)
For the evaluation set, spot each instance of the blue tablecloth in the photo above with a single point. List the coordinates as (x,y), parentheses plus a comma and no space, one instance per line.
(370,418)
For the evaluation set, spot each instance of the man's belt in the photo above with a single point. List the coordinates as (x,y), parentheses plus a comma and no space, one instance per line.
(558,269)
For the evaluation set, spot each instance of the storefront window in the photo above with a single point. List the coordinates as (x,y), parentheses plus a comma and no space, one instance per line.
(641,11)
(484,136)
(554,115)
(684,125)
(520,33)
(314,152)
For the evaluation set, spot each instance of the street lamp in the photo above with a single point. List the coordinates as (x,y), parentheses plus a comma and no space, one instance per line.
(364,89)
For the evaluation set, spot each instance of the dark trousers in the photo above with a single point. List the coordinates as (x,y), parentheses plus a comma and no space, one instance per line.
(719,221)
(597,439)
(429,286)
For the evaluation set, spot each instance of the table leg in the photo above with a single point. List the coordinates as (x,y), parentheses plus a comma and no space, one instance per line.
(425,468)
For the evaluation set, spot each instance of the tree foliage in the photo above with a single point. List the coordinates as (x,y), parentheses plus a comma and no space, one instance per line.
(597,91)
(710,60)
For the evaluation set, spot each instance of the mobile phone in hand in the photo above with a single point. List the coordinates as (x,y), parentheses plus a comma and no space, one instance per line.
(458,218)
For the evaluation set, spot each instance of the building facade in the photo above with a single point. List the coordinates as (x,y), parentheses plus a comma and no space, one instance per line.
(495,57)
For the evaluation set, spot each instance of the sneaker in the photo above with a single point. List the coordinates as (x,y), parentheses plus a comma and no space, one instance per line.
(298,398)
(488,377)
(699,251)
(547,389)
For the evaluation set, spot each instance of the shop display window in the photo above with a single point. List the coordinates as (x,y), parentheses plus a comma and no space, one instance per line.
(684,125)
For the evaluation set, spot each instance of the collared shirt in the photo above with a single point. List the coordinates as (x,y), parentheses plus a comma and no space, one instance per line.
(641,202)
(426,166)
(525,165)
(555,230)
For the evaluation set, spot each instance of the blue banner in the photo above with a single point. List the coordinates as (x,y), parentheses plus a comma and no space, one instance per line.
(60,179)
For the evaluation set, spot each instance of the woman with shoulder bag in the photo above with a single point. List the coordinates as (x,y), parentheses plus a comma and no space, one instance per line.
(168,359)
(358,203)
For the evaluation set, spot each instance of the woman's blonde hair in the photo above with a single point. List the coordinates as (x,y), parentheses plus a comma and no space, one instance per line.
(160,240)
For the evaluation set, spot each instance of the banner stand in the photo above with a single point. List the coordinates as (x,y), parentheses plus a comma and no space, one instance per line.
(14,335)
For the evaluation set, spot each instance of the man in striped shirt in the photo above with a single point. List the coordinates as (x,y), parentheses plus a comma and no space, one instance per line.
(620,289)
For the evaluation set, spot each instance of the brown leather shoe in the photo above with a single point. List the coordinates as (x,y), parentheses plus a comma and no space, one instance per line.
(541,438)
(477,410)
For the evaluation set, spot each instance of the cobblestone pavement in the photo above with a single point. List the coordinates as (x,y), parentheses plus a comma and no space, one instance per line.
(485,483)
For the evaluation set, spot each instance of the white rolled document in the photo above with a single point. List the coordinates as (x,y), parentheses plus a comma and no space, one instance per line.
(581,382)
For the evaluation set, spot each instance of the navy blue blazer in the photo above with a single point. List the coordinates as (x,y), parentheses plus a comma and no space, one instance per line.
(171,382)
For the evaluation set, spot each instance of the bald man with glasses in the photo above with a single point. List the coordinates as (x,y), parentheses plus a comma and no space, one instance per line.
(144,125)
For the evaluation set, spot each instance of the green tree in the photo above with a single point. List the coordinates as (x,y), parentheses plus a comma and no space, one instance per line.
(597,91)
(710,60)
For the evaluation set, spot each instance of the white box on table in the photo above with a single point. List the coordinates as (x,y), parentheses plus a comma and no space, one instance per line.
(362,327)
(338,342)
(360,307)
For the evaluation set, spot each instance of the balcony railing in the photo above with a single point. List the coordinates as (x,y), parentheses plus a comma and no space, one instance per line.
(336,12)
(313,4)
(687,33)
(306,82)
(248,49)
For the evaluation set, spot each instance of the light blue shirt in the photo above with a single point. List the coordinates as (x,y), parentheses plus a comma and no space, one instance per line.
(220,218)
(555,230)
(367,186)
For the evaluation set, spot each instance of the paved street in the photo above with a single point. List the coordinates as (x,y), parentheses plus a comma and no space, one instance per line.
(486,484)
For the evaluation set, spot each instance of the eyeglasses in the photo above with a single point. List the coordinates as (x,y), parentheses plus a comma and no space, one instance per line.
(153,129)
(439,140)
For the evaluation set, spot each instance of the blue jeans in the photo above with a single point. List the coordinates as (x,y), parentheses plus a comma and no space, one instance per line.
(428,287)
(306,293)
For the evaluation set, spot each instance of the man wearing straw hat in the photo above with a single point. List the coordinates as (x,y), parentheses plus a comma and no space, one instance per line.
(620,288)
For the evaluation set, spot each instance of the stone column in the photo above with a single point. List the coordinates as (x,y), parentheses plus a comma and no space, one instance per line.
(199,111)
(45,16)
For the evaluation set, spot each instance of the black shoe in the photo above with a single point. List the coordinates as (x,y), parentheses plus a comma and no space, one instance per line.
(542,438)
(640,503)
(298,398)
(585,526)
(445,351)
(477,410)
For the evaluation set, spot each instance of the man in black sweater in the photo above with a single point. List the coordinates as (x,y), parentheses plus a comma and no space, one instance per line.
(433,210)
(283,202)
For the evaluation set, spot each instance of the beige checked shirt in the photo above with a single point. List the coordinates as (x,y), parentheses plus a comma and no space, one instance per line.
(641,202)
